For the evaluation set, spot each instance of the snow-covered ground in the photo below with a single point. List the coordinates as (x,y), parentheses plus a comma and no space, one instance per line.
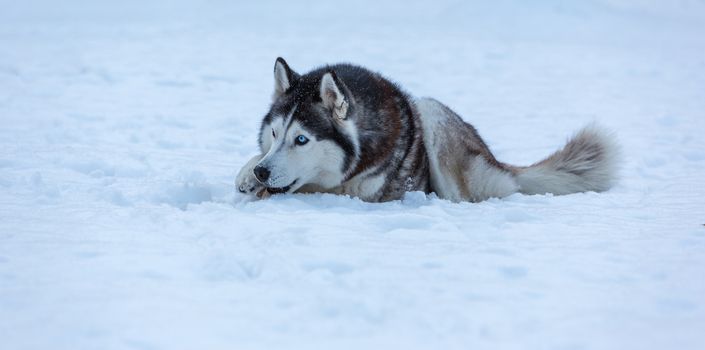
(124,123)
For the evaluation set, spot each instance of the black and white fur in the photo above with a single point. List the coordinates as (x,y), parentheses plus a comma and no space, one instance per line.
(365,137)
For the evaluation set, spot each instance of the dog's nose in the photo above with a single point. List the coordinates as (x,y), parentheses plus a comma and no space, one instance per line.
(261,173)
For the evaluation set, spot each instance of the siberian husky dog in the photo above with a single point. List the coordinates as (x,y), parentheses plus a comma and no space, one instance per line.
(344,129)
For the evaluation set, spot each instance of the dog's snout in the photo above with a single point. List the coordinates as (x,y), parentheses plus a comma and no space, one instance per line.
(261,173)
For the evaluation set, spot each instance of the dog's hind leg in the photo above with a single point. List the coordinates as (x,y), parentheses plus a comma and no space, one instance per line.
(462,168)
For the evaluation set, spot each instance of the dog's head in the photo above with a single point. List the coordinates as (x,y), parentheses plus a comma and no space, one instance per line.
(308,136)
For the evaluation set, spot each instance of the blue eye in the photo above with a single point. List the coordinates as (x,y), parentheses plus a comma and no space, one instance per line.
(301,140)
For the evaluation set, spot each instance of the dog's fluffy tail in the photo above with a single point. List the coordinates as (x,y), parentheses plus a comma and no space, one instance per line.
(588,162)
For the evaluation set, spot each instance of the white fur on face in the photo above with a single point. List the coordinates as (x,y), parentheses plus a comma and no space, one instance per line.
(318,162)
(267,140)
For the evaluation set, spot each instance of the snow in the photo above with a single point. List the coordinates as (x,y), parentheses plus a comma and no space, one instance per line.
(124,125)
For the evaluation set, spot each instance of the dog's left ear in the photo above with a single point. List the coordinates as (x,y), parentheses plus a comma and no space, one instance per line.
(335,95)
(284,78)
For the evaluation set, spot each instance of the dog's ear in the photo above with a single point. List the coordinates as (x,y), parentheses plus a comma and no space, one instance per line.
(284,78)
(335,95)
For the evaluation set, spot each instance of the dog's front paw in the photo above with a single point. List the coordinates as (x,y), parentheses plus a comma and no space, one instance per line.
(246,181)
(249,185)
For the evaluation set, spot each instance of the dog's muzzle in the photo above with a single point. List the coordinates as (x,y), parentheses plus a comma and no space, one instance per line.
(277,190)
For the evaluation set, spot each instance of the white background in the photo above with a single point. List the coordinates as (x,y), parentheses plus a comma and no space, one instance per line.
(123,125)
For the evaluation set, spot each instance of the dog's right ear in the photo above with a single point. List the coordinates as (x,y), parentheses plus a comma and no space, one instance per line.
(333,95)
(284,78)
